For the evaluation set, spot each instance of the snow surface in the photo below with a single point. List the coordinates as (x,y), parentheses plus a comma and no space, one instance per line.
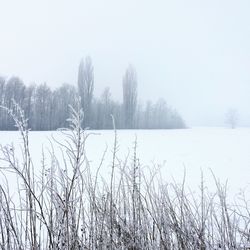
(225,152)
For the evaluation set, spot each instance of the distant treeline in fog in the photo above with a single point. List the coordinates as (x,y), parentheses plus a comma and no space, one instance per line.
(48,109)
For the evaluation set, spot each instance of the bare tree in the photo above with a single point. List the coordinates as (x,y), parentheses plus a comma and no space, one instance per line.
(129,96)
(29,103)
(62,98)
(43,107)
(107,108)
(86,87)
(232,117)
(14,89)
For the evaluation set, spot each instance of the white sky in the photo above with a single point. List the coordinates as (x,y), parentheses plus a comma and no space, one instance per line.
(195,54)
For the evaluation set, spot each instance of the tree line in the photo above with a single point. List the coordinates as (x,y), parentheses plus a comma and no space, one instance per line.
(48,109)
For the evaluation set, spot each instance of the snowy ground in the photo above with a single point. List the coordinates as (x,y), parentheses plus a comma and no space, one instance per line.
(226,152)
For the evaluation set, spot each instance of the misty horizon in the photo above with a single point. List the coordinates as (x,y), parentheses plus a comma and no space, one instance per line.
(194,55)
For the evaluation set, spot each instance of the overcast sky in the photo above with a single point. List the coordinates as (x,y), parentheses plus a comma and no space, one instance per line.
(195,54)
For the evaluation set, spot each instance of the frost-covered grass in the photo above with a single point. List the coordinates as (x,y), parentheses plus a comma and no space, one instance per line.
(78,194)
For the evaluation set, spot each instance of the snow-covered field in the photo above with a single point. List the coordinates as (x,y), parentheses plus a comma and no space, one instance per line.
(223,151)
